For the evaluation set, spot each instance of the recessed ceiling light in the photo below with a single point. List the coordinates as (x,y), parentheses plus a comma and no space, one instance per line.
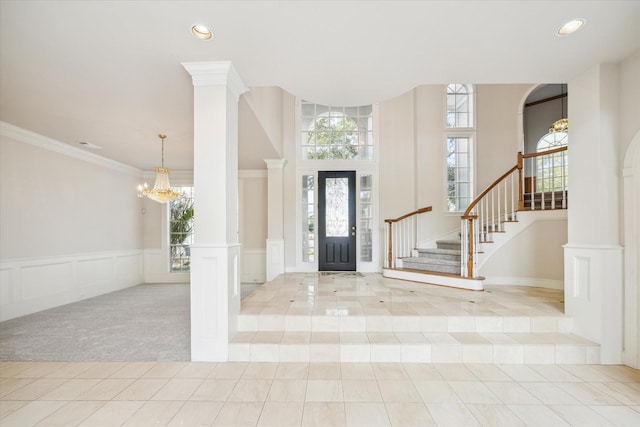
(202,32)
(571,26)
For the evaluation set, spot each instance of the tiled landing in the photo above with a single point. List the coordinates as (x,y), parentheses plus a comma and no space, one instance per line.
(348,318)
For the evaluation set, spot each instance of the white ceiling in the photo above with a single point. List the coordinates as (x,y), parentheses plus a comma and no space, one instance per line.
(109,72)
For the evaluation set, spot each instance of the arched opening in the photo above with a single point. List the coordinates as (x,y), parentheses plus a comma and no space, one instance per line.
(544,106)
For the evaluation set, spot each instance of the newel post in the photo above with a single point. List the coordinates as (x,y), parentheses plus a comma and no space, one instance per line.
(390,253)
(520,181)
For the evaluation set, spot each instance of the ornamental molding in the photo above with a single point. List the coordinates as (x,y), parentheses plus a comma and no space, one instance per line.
(216,73)
(22,135)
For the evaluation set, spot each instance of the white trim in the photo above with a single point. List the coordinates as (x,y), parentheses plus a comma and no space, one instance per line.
(588,246)
(41,141)
(216,73)
(275,163)
(631,224)
(435,279)
(524,281)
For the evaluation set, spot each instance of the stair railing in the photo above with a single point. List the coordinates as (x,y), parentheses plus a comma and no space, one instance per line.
(501,201)
(402,236)
(548,181)
(486,214)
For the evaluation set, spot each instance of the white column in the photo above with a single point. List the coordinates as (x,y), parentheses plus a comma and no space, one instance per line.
(275,217)
(593,257)
(215,281)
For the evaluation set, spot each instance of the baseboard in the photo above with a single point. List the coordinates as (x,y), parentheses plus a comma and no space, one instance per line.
(525,281)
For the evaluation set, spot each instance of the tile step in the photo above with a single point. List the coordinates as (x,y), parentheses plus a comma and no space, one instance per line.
(414,348)
(388,323)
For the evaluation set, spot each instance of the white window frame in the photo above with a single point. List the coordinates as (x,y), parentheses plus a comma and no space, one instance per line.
(460,132)
(472,166)
(168,204)
(361,167)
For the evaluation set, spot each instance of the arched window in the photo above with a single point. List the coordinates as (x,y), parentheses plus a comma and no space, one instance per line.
(330,133)
(459,105)
(552,169)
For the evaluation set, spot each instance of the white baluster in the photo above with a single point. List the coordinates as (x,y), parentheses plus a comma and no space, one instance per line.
(514,196)
(564,184)
(493,217)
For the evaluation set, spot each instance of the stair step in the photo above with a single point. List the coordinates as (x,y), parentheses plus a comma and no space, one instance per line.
(430,264)
(436,347)
(342,321)
(436,253)
(449,244)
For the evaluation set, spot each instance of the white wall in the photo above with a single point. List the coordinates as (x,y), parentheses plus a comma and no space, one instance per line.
(71,224)
(533,257)
(412,174)
(253,225)
(630,152)
(412,151)
(593,254)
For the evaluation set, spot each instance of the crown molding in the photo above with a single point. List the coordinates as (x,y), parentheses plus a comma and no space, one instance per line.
(275,163)
(216,73)
(22,135)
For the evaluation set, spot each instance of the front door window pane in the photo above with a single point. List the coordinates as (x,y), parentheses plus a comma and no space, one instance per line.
(337,207)
(308,218)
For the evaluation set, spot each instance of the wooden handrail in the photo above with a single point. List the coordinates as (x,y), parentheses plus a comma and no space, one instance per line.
(470,218)
(400,218)
(473,204)
(544,153)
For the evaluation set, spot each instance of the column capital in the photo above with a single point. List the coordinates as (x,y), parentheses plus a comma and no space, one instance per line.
(216,73)
(275,163)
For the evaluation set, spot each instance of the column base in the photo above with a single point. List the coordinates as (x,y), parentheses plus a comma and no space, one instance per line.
(215,300)
(593,287)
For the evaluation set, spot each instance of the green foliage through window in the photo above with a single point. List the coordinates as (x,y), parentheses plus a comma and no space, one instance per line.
(181,218)
(336,133)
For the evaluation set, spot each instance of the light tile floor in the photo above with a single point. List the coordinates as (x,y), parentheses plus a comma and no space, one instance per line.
(316,394)
(180,393)
(340,295)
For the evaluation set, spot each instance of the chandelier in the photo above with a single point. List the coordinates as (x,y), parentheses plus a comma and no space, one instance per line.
(161,191)
(561,125)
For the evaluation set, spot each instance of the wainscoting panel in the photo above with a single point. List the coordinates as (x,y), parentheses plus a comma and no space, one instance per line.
(594,296)
(35,284)
(156,268)
(253,263)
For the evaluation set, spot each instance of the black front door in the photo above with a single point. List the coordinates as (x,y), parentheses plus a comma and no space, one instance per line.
(337,221)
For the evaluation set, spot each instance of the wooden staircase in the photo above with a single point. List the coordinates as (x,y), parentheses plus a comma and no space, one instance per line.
(455,262)
(445,258)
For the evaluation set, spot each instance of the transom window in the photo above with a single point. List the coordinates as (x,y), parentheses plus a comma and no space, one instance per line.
(181,230)
(330,133)
(459,106)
